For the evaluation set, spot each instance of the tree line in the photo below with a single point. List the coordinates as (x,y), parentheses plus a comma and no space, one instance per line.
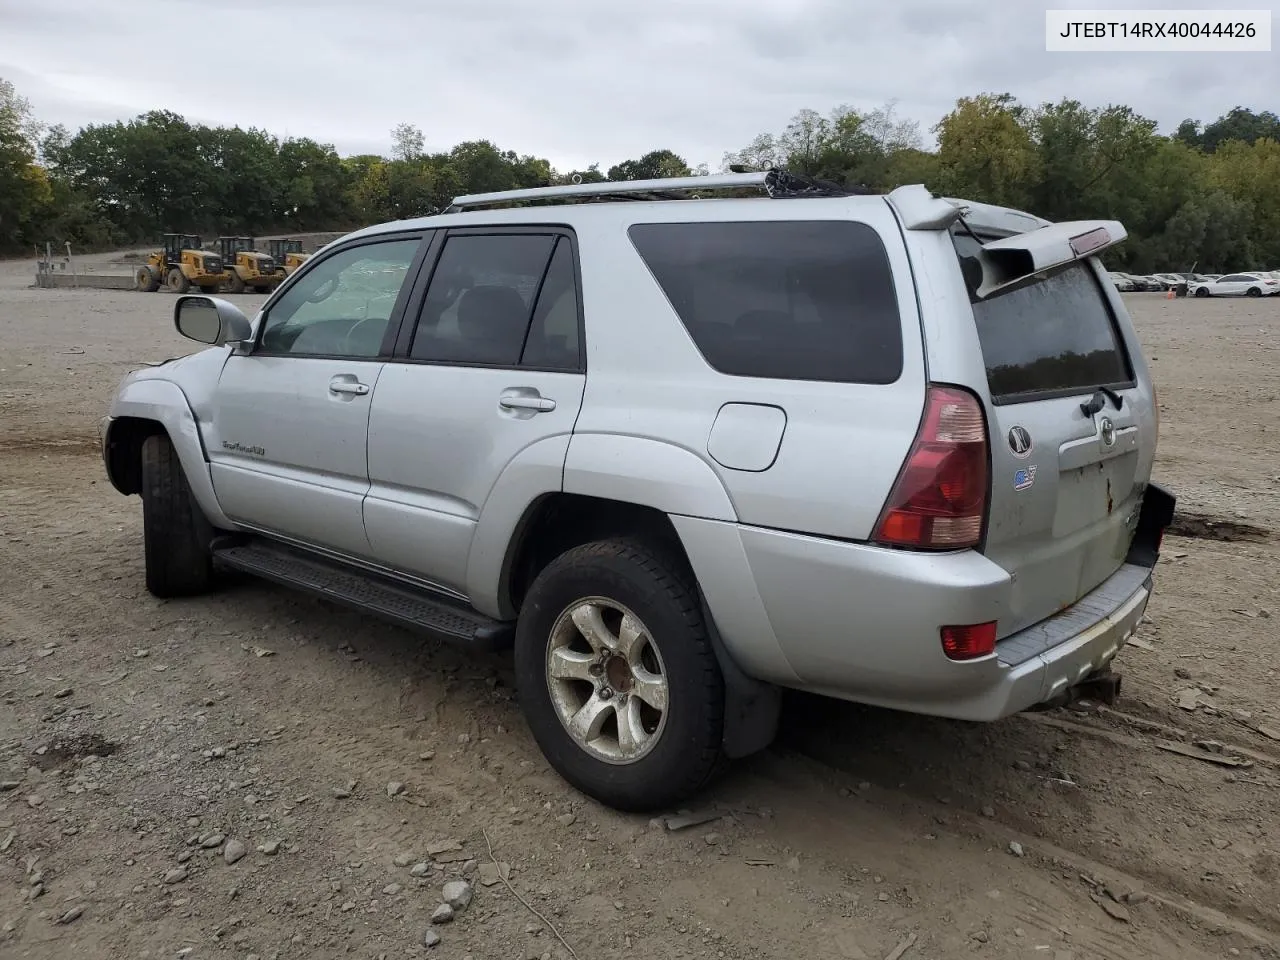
(1207,195)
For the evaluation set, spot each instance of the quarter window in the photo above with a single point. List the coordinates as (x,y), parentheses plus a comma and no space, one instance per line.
(553,341)
(787,300)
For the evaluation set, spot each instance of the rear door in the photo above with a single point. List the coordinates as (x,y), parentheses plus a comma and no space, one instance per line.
(485,386)
(1072,432)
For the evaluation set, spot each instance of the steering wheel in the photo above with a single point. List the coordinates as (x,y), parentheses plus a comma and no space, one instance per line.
(347,340)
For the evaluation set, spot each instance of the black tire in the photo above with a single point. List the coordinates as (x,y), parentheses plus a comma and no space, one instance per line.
(146,281)
(234,283)
(176,534)
(1254,292)
(658,589)
(177,281)
(1202,292)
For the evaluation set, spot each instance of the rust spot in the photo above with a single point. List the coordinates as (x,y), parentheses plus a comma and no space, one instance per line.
(1110,503)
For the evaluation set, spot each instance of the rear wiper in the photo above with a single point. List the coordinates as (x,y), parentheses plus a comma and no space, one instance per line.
(1099,400)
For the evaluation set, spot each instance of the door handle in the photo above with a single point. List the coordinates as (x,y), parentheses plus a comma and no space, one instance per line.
(348,386)
(520,402)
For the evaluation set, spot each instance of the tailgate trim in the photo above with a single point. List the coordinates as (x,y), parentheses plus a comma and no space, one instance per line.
(1088,611)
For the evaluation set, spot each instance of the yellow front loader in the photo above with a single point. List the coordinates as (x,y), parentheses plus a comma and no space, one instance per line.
(180,265)
(288,256)
(245,268)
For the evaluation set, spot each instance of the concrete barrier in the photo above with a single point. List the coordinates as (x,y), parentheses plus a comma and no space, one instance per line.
(93,281)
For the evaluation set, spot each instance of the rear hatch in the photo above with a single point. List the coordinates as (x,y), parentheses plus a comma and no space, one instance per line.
(1070,448)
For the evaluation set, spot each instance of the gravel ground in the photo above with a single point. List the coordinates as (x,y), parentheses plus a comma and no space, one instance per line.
(263,774)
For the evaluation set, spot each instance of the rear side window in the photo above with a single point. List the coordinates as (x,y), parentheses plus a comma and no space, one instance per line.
(481,298)
(785,300)
(1054,336)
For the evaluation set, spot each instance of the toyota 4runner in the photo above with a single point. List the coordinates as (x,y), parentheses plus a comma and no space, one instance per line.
(683,446)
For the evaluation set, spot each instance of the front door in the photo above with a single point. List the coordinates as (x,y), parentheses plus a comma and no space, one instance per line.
(289,419)
(478,405)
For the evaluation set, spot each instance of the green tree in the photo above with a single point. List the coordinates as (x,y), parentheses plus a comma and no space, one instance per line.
(985,151)
(407,142)
(1250,174)
(24,186)
(590,175)
(315,185)
(654,165)
(1240,124)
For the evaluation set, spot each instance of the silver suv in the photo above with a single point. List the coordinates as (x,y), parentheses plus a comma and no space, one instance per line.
(683,446)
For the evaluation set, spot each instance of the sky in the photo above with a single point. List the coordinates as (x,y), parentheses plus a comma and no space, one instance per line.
(581,81)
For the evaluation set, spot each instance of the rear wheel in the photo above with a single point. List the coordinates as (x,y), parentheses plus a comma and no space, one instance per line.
(146,281)
(176,535)
(616,675)
(1255,292)
(178,281)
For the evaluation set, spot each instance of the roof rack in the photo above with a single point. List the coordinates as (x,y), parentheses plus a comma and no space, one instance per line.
(775,183)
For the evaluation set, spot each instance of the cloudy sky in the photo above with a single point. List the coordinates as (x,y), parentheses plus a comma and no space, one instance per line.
(579,81)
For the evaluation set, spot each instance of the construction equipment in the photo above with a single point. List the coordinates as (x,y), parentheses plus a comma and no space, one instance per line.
(288,256)
(180,265)
(245,268)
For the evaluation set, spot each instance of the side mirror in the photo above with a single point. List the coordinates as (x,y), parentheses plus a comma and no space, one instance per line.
(210,320)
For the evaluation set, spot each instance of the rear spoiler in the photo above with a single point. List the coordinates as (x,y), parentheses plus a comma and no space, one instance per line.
(1011,260)
(919,209)
(1028,245)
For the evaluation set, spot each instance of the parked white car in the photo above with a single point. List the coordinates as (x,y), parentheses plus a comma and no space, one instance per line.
(1238,285)
(1122,282)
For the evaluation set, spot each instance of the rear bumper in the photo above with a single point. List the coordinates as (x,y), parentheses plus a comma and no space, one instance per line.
(862,623)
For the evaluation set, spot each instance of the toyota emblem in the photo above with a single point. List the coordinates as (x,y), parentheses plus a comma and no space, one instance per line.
(1020,442)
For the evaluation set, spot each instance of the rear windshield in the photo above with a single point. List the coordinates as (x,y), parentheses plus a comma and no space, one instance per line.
(1054,336)
(786,300)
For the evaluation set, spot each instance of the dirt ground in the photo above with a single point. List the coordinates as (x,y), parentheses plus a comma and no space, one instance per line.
(357,768)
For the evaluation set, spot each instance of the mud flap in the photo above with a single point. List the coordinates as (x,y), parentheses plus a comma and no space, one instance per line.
(751,707)
(1154,518)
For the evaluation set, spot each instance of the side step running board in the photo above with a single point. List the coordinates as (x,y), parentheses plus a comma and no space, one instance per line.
(369,593)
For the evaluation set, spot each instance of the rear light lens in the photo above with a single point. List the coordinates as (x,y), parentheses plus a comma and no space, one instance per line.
(970,642)
(940,499)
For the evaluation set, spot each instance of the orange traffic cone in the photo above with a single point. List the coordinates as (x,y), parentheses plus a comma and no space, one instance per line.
(1170,294)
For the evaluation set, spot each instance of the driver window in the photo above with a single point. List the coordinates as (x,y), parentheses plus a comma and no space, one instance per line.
(341,307)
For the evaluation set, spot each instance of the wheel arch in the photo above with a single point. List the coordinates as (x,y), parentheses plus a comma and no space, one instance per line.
(557,522)
(146,407)
(122,451)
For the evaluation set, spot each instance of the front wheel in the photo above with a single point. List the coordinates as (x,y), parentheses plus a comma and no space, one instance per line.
(234,283)
(176,534)
(146,281)
(617,677)
(1201,292)
(178,281)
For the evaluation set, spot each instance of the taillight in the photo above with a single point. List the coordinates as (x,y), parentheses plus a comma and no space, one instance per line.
(969,642)
(940,499)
